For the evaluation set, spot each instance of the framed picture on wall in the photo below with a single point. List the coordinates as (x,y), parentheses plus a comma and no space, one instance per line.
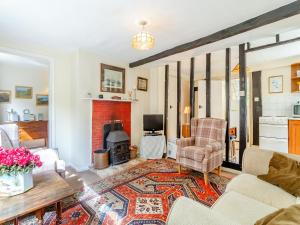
(142,84)
(23,92)
(5,96)
(276,84)
(42,100)
(112,79)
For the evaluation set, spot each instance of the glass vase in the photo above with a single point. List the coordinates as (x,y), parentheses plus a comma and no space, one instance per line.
(15,184)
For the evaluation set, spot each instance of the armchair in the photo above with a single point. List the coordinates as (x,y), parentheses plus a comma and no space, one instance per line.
(203,151)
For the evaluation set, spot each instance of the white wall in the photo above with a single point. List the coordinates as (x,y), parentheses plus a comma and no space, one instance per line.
(157,90)
(217,99)
(157,96)
(278,104)
(18,74)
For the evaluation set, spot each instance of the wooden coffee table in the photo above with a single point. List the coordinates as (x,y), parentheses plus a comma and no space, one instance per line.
(49,189)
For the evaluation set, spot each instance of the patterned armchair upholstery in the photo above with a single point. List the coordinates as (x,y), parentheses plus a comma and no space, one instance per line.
(203,151)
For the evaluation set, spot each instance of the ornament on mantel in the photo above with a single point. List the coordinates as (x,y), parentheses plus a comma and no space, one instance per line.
(130,95)
(134,94)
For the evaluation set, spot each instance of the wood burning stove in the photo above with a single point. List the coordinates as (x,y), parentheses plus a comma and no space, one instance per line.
(117,142)
(118,145)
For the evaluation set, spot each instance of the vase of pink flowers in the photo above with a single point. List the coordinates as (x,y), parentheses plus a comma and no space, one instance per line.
(16,167)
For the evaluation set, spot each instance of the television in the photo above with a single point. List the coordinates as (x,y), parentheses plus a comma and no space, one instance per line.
(153,122)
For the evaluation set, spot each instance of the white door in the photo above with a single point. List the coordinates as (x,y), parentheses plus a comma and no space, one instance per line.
(172,108)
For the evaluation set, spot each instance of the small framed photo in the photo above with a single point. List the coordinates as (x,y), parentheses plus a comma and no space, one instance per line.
(42,100)
(5,96)
(276,84)
(23,92)
(142,84)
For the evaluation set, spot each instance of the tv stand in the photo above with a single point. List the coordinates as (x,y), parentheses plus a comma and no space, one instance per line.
(152,134)
(153,147)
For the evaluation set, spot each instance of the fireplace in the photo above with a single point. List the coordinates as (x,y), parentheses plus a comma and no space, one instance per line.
(116,140)
(104,112)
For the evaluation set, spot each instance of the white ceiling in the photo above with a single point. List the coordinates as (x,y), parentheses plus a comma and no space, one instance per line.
(20,60)
(106,26)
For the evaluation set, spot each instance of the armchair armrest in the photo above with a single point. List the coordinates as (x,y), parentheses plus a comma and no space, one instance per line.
(213,146)
(183,142)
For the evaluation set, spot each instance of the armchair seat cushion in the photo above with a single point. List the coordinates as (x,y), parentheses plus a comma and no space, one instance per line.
(193,152)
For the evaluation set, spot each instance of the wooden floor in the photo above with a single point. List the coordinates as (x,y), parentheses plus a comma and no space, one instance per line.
(79,179)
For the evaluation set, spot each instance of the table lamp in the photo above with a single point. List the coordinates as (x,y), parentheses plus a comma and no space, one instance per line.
(187,111)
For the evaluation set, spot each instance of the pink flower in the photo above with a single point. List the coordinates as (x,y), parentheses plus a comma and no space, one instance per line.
(19,159)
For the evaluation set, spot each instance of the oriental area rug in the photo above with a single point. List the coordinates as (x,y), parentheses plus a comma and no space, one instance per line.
(140,195)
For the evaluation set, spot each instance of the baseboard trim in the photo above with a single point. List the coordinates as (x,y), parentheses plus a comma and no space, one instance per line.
(79,168)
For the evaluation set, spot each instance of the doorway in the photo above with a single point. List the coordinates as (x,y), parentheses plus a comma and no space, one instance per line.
(37,106)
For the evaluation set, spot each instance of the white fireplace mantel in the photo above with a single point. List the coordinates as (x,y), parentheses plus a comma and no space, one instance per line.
(109,99)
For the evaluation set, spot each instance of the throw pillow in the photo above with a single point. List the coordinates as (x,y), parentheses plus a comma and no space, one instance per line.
(284,173)
(290,216)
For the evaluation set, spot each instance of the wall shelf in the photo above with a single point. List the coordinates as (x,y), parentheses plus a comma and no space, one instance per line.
(294,78)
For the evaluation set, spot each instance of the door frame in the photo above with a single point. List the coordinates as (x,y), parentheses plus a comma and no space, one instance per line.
(51,104)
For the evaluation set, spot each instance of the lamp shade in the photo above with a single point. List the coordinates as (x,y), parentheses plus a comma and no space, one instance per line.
(187,110)
(236,69)
(143,41)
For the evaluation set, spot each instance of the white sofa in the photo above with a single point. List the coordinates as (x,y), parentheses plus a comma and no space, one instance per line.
(245,200)
(9,137)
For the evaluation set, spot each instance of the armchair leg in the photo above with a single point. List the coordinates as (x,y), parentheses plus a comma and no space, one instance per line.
(219,170)
(179,169)
(205,178)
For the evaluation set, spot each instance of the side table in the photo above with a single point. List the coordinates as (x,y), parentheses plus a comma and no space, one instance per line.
(186,131)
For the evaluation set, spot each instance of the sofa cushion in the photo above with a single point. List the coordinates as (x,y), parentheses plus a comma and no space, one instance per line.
(285,173)
(241,208)
(255,188)
(49,158)
(193,152)
(284,216)
(186,211)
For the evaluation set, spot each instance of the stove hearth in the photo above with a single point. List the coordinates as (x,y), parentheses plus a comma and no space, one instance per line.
(116,141)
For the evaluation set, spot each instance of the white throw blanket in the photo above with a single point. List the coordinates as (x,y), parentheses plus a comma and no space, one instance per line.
(9,135)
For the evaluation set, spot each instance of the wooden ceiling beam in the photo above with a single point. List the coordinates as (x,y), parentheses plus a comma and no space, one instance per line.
(275,15)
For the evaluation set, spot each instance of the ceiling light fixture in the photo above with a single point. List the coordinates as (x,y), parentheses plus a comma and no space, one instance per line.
(143,40)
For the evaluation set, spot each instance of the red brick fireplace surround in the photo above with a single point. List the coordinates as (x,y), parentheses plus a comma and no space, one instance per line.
(105,111)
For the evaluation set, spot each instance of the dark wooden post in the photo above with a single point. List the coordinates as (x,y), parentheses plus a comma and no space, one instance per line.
(256,105)
(208,84)
(166,101)
(227,91)
(192,92)
(178,99)
(277,38)
(243,102)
